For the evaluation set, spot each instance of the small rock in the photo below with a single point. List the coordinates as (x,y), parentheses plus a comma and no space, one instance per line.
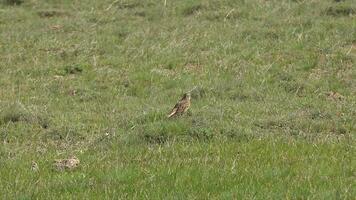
(57,77)
(55,27)
(335,96)
(66,164)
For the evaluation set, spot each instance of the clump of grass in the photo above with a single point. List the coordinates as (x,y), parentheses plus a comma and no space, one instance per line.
(12,2)
(73,69)
(184,128)
(150,117)
(160,134)
(159,138)
(201,134)
(13,113)
(199,92)
(192,9)
(51,13)
(44,122)
(339,11)
(62,134)
(129,5)
(140,13)
(18,113)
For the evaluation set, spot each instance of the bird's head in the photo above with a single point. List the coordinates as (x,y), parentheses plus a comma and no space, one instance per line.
(186,96)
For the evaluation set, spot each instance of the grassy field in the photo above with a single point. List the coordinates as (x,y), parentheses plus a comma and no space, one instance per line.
(273,114)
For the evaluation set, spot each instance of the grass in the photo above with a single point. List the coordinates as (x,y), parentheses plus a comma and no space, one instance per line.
(272,117)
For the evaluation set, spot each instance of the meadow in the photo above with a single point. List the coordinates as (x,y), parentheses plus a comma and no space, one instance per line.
(273,112)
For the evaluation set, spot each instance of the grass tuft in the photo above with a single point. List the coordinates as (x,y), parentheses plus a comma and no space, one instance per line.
(52,13)
(12,2)
(192,9)
(73,69)
(340,11)
(17,112)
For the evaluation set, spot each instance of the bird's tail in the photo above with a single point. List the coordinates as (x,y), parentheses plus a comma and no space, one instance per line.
(170,115)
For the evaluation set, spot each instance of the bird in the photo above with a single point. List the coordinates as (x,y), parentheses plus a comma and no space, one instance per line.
(181,107)
(34,166)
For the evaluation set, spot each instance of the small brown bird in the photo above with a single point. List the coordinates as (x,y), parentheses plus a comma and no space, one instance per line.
(34,166)
(181,107)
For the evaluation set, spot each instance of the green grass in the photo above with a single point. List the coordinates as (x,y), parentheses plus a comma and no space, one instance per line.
(95,79)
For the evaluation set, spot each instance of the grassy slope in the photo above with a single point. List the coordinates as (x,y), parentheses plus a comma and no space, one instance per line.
(95,80)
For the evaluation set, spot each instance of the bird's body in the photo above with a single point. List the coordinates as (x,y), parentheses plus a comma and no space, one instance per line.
(34,166)
(181,107)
